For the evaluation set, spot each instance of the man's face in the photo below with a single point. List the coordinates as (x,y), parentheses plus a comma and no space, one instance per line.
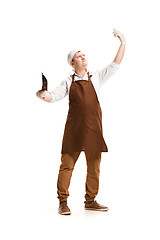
(79,61)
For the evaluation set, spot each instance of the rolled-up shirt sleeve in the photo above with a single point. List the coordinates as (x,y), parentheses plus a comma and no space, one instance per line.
(107,72)
(59,92)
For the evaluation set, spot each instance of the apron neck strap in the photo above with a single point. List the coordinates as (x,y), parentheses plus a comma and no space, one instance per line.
(89,76)
(73,77)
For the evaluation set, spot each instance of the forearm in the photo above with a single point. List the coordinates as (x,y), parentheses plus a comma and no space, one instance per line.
(119,56)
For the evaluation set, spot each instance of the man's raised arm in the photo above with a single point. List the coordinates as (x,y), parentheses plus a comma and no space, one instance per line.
(120,53)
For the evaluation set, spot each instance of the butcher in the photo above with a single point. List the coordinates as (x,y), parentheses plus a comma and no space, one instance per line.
(83,128)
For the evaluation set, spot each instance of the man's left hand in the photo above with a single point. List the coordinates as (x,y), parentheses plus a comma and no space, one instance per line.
(120,35)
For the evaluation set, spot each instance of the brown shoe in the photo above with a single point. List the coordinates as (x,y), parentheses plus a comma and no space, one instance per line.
(95,206)
(64,209)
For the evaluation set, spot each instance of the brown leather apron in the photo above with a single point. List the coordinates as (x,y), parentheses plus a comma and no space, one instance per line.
(83,128)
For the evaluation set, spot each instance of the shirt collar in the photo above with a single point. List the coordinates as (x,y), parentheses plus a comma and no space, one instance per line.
(78,76)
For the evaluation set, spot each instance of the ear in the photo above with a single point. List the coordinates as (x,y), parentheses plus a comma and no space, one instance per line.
(71,63)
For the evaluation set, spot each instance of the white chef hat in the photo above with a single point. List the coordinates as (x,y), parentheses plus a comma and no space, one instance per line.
(71,55)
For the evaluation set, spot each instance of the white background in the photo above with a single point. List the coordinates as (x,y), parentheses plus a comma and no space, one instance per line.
(36,37)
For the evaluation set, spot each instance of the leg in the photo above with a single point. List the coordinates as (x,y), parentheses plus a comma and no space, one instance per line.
(93,160)
(68,161)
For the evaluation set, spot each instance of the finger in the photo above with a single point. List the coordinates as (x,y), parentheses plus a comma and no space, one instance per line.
(115,32)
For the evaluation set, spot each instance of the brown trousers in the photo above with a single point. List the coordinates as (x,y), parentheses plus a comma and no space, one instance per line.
(68,161)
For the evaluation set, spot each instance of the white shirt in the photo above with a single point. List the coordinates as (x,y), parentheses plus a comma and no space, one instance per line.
(98,78)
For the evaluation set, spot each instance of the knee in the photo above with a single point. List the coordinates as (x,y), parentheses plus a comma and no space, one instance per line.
(93,170)
(66,167)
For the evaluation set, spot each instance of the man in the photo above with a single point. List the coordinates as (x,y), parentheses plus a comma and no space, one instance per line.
(83,129)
